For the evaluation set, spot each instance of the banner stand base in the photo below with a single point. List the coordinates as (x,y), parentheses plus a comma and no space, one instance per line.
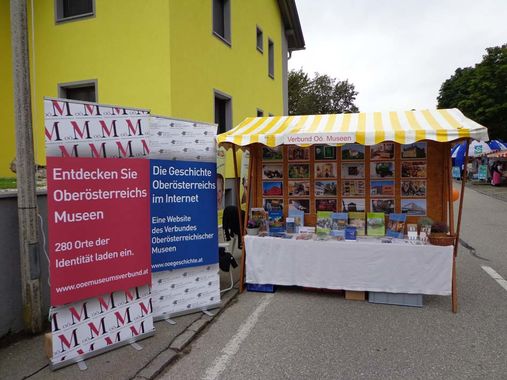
(136,346)
(82,365)
(165,316)
(79,360)
(208,313)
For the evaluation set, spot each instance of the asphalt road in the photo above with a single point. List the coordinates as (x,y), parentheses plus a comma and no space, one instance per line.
(293,334)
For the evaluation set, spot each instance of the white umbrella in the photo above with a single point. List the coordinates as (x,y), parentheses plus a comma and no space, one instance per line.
(478,148)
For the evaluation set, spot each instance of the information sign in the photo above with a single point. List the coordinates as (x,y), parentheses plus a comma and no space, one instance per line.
(98,212)
(183,214)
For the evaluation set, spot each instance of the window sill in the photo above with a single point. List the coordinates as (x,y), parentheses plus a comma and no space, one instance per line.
(272,76)
(74,18)
(221,38)
(260,50)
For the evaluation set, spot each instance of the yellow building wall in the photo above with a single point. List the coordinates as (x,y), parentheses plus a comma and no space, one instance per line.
(124,47)
(7,132)
(157,54)
(202,63)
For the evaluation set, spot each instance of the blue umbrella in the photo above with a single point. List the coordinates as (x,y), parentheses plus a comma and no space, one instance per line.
(497,145)
(458,154)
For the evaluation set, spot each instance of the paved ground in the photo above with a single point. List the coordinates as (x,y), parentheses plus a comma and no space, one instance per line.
(497,192)
(294,334)
(25,359)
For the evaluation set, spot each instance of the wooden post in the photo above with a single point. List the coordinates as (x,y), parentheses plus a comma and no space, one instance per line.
(243,251)
(458,228)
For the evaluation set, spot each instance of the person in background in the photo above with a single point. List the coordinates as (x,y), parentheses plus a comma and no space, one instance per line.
(475,167)
(496,171)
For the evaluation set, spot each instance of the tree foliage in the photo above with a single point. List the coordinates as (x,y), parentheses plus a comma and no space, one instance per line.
(480,92)
(319,95)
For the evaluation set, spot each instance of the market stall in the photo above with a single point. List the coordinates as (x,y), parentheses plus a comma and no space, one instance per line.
(392,163)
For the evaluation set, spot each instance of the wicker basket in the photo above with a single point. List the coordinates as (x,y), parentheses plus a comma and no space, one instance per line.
(441,239)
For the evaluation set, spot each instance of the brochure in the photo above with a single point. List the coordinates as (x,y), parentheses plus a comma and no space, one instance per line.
(358,220)
(306,230)
(396,225)
(376,224)
(276,222)
(412,231)
(350,233)
(260,215)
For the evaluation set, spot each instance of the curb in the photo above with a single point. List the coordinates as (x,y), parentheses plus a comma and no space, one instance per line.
(175,351)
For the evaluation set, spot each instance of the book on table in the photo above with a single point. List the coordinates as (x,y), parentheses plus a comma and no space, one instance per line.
(396,225)
(358,220)
(339,221)
(324,222)
(276,225)
(299,217)
(376,224)
(260,215)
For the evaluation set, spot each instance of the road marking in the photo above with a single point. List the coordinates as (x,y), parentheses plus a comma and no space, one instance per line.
(495,276)
(232,347)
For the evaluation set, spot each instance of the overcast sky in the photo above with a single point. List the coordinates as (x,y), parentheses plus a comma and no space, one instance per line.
(397,53)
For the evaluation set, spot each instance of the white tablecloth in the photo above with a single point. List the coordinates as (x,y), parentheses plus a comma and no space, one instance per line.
(355,265)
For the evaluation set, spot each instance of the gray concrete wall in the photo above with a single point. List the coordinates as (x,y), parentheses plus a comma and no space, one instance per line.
(11,317)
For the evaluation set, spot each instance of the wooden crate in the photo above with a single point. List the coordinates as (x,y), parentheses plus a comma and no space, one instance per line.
(355,295)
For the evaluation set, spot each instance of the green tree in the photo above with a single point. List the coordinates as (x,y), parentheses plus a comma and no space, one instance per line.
(319,95)
(480,92)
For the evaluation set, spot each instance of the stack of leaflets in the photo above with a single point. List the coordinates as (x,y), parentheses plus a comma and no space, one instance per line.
(324,222)
(412,231)
(305,233)
(396,225)
(338,225)
(276,222)
(358,220)
(299,218)
(376,224)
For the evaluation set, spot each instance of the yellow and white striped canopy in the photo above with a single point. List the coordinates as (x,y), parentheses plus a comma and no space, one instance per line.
(364,128)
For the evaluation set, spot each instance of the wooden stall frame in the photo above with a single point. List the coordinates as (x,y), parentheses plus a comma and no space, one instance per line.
(462,129)
(447,187)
